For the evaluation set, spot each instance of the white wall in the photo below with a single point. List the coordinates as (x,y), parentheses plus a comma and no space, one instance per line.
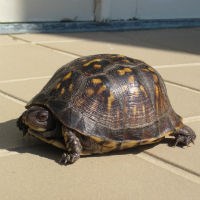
(168,9)
(45,10)
(101,10)
(115,9)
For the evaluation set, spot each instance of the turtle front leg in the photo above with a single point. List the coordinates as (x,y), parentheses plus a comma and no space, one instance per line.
(184,136)
(73,147)
(21,125)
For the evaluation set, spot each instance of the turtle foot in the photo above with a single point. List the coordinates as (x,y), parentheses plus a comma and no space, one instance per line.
(21,125)
(184,136)
(69,158)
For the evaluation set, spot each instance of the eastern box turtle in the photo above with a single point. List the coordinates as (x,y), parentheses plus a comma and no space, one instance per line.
(102,103)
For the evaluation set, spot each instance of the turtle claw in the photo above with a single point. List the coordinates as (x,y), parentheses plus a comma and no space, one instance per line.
(184,137)
(69,158)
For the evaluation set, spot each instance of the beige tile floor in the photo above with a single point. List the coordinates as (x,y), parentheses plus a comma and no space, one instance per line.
(29,168)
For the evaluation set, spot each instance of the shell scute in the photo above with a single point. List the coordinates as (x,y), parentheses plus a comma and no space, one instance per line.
(111,97)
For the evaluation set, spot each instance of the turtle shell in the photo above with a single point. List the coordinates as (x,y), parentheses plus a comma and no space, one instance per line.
(110,97)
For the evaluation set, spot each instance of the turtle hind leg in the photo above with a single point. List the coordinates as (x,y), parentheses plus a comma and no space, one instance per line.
(184,136)
(73,147)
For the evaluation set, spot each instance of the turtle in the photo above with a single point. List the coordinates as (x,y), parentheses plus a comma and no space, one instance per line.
(101,103)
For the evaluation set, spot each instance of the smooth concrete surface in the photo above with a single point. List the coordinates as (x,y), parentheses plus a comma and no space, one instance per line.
(37,61)
(134,44)
(29,168)
(182,75)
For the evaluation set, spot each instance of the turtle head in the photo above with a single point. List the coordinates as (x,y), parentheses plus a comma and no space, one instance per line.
(39,119)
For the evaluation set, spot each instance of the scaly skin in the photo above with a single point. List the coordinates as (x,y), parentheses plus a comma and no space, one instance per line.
(73,147)
(184,136)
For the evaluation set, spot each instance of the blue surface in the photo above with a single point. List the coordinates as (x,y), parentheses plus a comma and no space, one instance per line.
(56,27)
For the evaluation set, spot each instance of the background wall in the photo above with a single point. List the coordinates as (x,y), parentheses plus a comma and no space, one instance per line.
(100,10)
(46,10)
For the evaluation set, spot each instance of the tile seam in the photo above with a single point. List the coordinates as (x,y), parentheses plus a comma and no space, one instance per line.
(79,55)
(12,98)
(192,89)
(47,47)
(169,166)
(25,79)
(176,65)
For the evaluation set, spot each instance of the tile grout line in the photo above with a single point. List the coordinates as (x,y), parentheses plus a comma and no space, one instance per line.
(182,86)
(25,79)
(176,169)
(172,163)
(13,98)
(78,55)
(172,167)
(47,47)
(176,65)
(60,51)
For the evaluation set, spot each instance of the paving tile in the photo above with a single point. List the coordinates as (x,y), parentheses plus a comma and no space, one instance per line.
(6,40)
(24,89)
(184,101)
(151,55)
(188,76)
(10,136)
(187,157)
(23,61)
(36,175)
(169,39)
(179,97)
(46,37)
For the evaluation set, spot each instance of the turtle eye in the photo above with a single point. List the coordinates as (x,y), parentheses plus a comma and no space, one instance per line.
(42,116)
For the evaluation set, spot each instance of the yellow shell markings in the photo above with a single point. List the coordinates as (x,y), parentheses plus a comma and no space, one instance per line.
(89,92)
(151,69)
(96,81)
(134,110)
(92,61)
(97,66)
(101,89)
(70,87)
(129,144)
(143,90)
(109,146)
(145,70)
(143,109)
(121,56)
(155,78)
(126,61)
(123,71)
(118,56)
(67,76)
(62,91)
(111,98)
(131,79)
(157,97)
(58,86)
(127,69)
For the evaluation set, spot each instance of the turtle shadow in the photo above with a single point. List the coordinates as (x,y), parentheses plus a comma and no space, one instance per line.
(12,140)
